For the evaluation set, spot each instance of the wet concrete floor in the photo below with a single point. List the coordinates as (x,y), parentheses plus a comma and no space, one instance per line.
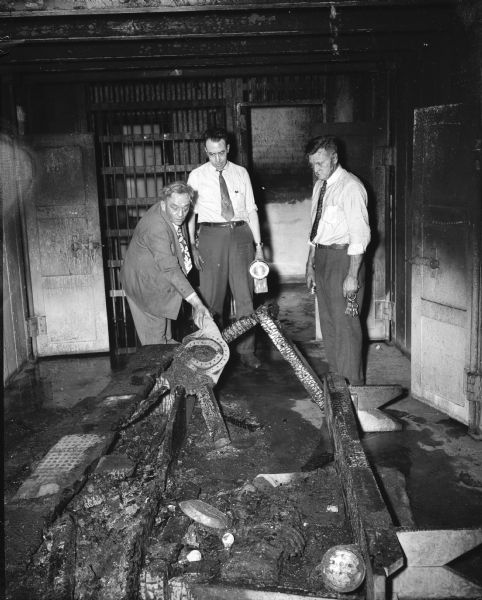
(439,465)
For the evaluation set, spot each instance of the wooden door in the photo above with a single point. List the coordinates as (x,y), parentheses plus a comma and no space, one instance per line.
(445,263)
(64,247)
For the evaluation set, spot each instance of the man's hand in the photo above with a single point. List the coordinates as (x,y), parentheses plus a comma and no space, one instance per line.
(197,258)
(350,285)
(310,275)
(199,313)
(259,254)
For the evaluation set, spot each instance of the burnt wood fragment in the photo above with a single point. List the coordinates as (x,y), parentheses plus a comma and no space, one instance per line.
(291,354)
(212,415)
(370,520)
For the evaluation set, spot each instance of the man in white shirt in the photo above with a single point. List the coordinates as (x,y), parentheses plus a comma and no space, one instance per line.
(339,236)
(228,234)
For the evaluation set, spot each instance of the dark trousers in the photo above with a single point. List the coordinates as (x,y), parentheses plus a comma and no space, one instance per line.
(227,254)
(342,334)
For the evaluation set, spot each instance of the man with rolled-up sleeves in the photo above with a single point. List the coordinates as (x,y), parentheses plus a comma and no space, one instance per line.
(338,239)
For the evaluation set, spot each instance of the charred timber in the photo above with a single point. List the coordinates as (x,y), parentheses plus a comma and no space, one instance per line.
(302,371)
(165,455)
(244,22)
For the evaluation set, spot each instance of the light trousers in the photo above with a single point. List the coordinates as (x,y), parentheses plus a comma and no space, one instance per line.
(150,329)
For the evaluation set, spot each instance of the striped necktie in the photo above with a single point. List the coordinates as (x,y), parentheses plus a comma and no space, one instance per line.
(227,210)
(185,250)
(319,208)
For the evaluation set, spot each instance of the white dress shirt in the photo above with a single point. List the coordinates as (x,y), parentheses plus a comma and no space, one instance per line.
(205,180)
(344,218)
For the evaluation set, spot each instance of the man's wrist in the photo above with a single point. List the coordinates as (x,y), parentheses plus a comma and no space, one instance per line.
(259,244)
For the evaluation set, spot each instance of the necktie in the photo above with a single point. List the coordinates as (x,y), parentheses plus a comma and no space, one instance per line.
(319,208)
(185,250)
(227,211)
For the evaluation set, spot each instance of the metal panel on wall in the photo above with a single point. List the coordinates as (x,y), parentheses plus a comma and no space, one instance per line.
(64,246)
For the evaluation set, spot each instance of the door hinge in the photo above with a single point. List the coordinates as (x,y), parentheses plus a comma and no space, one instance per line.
(473,386)
(384,310)
(36,326)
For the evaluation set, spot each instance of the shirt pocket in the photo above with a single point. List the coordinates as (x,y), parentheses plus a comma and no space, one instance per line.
(331,215)
(238,198)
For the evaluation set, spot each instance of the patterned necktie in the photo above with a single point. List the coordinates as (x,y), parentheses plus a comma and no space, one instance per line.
(319,207)
(185,250)
(227,211)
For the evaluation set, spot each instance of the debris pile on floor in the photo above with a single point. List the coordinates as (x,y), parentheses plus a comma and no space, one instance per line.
(228,525)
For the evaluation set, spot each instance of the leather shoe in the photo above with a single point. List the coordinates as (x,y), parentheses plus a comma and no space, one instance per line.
(250,360)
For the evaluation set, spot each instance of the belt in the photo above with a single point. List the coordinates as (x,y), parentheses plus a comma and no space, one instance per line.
(333,246)
(224,224)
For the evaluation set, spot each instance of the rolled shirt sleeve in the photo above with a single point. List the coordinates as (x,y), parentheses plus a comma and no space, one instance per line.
(356,215)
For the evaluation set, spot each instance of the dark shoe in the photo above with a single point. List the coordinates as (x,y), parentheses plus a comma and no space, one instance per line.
(250,360)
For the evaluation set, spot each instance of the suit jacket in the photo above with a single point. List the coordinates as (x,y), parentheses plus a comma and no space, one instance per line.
(153,271)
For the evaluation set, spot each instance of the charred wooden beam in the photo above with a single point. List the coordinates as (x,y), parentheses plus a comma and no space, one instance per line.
(213,418)
(51,7)
(289,352)
(246,21)
(182,52)
(164,456)
(370,520)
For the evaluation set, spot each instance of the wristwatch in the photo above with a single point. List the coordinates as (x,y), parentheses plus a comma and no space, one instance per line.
(260,244)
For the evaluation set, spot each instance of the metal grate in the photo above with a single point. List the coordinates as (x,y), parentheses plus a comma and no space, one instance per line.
(67,454)
(149,134)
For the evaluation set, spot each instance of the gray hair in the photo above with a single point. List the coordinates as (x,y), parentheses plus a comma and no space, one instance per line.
(322,142)
(177,187)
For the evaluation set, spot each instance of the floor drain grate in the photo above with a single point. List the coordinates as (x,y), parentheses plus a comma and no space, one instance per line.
(67,454)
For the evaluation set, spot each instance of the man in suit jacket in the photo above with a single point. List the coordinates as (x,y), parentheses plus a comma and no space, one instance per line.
(156,264)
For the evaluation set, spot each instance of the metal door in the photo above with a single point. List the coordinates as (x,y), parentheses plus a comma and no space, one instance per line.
(445,259)
(62,220)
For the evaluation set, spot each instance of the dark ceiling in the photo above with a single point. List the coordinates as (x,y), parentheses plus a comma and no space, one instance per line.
(216,36)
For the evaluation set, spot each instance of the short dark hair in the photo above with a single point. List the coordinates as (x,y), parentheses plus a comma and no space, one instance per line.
(216,134)
(322,142)
(177,187)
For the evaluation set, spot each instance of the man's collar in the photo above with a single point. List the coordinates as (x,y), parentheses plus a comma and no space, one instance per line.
(226,166)
(334,176)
